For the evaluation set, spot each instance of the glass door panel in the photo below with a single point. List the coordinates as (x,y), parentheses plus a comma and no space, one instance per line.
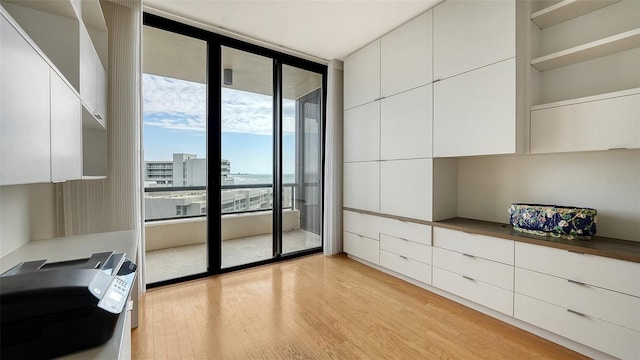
(246,181)
(301,159)
(174,84)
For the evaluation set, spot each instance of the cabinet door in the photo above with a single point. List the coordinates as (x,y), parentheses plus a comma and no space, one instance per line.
(362,133)
(362,76)
(406,188)
(405,125)
(574,127)
(406,56)
(470,34)
(66,131)
(475,112)
(101,92)
(24,111)
(362,185)
(88,74)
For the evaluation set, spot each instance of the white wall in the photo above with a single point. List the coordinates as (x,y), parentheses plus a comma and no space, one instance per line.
(607,181)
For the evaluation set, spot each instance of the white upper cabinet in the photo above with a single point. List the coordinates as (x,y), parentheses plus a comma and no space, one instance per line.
(406,56)
(362,133)
(475,112)
(405,125)
(24,110)
(66,131)
(362,76)
(470,34)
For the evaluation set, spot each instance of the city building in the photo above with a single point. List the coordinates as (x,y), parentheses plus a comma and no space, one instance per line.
(184,170)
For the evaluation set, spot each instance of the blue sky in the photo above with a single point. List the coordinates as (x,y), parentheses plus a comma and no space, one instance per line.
(174,121)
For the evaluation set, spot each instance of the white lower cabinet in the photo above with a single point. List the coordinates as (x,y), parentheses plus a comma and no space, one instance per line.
(362,224)
(406,266)
(487,247)
(406,248)
(362,247)
(475,290)
(590,299)
(490,272)
(601,335)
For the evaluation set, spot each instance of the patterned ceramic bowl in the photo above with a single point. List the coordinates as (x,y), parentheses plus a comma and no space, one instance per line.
(552,220)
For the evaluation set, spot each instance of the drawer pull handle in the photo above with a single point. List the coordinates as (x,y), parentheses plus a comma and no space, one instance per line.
(404,257)
(468,278)
(575,252)
(469,255)
(577,282)
(575,312)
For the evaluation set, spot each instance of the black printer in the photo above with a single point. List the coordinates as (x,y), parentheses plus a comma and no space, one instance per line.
(53,309)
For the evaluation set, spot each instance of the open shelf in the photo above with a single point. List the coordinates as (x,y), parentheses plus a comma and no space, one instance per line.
(586,99)
(609,45)
(567,9)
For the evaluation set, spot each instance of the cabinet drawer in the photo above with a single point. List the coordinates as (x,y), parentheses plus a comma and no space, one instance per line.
(361,224)
(406,230)
(362,247)
(612,274)
(406,248)
(614,307)
(405,266)
(488,271)
(487,247)
(601,335)
(477,291)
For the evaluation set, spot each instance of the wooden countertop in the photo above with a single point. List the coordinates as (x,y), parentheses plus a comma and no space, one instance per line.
(597,245)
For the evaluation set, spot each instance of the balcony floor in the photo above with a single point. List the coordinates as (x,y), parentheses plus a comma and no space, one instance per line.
(166,264)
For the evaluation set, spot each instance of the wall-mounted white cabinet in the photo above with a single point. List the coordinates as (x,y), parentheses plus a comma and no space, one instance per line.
(362,76)
(362,133)
(361,185)
(585,76)
(468,35)
(406,56)
(24,110)
(405,188)
(475,112)
(66,131)
(92,77)
(405,125)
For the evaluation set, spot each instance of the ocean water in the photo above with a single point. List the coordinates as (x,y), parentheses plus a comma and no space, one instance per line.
(242,179)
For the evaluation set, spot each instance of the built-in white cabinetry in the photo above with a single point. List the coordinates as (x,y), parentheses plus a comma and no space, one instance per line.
(362,76)
(476,102)
(406,56)
(476,267)
(590,299)
(66,131)
(585,78)
(361,236)
(362,133)
(405,125)
(475,112)
(24,110)
(468,35)
(405,188)
(54,89)
(405,248)
(361,185)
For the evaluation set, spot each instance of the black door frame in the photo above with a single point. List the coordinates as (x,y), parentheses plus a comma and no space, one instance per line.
(214,148)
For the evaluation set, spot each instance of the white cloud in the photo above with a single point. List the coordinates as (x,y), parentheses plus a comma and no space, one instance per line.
(181,105)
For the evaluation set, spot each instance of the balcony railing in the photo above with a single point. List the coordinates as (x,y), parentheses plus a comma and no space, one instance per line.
(181,202)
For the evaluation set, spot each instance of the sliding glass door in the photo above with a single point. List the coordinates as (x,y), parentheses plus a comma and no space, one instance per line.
(250,157)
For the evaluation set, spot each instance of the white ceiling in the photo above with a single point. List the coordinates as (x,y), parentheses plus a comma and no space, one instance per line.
(325,29)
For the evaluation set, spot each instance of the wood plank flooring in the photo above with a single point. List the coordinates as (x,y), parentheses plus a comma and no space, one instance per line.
(320,307)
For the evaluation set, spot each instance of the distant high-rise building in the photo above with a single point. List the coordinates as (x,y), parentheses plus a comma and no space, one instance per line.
(184,170)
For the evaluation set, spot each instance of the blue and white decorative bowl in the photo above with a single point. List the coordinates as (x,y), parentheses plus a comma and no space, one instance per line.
(552,220)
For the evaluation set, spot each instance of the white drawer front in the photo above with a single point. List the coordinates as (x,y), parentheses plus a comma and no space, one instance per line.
(405,266)
(487,247)
(477,291)
(488,271)
(406,230)
(612,274)
(362,247)
(361,224)
(620,309)
(606,337)
(406,248)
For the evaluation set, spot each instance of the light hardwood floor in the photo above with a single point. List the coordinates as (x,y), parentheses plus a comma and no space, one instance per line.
(320,307)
